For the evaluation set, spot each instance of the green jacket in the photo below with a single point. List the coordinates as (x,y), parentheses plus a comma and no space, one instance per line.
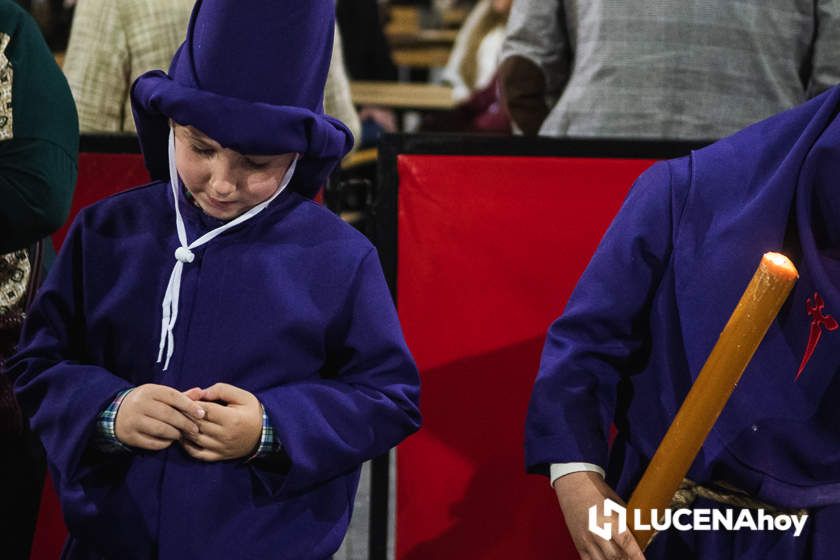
(39,134)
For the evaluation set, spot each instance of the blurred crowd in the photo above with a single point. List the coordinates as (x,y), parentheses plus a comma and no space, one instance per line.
(667,69)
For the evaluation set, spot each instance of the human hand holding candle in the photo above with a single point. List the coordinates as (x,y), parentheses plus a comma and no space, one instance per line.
(740,338)
(576,493)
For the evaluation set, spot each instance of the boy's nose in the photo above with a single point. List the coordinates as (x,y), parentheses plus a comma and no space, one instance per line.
(223,185)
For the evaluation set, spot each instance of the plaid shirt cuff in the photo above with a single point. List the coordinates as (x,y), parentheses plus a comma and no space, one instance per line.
(106,437)
(268,439)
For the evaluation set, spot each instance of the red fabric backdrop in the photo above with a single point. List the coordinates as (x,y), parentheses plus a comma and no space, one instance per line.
(489,250)
(100,175)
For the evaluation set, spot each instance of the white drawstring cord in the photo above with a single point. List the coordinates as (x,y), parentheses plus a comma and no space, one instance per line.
(184,254)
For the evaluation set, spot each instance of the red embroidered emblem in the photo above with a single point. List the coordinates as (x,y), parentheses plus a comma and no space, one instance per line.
(818,321)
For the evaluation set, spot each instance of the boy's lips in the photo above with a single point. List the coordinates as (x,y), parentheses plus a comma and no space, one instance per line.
(220,203)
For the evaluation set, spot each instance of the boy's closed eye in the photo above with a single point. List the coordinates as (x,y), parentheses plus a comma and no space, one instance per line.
(253,164)
(205,151)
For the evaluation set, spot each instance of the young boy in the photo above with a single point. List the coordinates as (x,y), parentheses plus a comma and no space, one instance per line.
(213,357)
(648,310)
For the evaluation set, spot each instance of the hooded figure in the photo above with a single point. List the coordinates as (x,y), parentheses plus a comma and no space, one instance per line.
(652,303)
(207,372)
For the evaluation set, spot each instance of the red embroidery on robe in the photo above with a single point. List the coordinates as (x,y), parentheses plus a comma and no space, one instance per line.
(818,321)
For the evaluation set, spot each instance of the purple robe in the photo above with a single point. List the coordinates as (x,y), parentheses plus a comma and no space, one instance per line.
(290,305)
(652,303)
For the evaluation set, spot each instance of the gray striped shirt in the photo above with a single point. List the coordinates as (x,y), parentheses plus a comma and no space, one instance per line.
(674,69)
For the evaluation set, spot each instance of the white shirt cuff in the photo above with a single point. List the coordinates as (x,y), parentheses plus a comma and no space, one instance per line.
(562,469)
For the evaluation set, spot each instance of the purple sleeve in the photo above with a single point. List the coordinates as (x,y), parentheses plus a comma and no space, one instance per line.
(62,396)
(330,425)
(603,328)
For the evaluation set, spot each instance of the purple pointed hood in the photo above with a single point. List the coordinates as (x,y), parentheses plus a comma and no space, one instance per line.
(250,75)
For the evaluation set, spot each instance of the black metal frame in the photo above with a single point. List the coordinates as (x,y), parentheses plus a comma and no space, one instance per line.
(384,226)
(384,212)
(109,143)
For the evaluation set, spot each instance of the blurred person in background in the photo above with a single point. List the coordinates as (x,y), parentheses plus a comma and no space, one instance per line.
(472,73)
(670,69)
(368,57)
(475,54)
(53,17)
(39,137)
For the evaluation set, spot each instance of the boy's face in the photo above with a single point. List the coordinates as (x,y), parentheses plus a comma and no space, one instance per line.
(223,182)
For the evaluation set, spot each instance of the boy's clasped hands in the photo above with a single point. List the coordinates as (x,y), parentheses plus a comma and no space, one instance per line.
(219,423)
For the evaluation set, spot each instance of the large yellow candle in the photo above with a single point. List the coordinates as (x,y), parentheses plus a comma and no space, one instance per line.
(758,307)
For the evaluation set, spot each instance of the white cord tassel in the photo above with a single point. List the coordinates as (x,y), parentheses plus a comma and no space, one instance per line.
(184,254)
